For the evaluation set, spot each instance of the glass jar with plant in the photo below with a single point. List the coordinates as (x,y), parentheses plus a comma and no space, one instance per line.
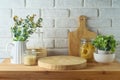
(105,45)
(21,31)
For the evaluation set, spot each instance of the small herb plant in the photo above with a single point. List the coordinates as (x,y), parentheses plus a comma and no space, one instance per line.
(106,43)
(23,28)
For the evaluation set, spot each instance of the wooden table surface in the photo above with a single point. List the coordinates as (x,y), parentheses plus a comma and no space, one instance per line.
(93,71)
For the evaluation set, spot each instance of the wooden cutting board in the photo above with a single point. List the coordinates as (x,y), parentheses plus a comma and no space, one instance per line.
(75,36)
(62,62)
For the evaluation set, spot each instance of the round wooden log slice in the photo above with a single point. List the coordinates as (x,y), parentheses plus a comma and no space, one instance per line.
(62,62)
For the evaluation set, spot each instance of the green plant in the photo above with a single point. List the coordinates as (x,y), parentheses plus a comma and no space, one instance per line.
(107,43)
(23,28)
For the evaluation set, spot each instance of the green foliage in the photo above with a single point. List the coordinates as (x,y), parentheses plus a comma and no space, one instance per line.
(107,43)
(23,28)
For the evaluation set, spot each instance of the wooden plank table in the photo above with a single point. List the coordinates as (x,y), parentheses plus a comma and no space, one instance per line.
(93,71)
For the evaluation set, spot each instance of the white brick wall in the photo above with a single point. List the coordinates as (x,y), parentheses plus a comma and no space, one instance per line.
(60,16)
(116,22)
(68,3)
(12,4)
(49,33)
(110,13)
(23,12)
(116,3)
(4,42)
(99,23)
(83,11)
(5,13)
(39,3)
(108,31)
(7,22)
(5,32)
(49,43)
(61,33)
(98,3)
(48,23)
(56,33)
(55,13)
(66,23)
(61,43)
(34,43)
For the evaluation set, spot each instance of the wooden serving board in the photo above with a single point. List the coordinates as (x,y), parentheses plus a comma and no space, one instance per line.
(75,36)
(62,62)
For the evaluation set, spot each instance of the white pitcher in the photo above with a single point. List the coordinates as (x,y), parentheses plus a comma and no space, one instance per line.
(17,52)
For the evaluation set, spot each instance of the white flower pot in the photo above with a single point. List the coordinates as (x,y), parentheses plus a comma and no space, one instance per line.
(102,52)
(104,58)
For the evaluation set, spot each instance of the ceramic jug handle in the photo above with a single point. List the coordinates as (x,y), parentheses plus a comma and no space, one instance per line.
(8,46)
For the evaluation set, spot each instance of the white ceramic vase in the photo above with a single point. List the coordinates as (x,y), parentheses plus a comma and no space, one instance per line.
(17,52)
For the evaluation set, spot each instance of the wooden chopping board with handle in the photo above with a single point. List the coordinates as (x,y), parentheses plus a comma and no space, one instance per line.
(74,37)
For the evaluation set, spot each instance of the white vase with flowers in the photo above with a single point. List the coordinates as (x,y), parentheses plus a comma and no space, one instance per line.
(21,31)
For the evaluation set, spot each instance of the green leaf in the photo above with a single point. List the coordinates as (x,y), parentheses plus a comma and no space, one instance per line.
(107,43)
(23,28)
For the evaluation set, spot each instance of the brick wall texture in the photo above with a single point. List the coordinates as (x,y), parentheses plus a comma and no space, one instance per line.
(60,17)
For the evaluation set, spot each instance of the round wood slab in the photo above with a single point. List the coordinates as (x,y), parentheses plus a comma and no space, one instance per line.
(62,62)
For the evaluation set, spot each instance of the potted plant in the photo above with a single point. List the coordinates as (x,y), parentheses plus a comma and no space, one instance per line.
(105,47)
(21,31)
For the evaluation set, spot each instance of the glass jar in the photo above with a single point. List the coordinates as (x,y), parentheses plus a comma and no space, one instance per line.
(40,38)
(87,49)
(39,45)
(30,58)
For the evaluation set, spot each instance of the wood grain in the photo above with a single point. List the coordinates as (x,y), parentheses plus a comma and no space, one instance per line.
(62,63)
(75,36)
(94,71)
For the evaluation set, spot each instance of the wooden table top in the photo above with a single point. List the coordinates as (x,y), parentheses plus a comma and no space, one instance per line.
(92,71)
(6,66)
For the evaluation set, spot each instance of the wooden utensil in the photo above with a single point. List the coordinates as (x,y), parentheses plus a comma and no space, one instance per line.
(62,62)
(75,36)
